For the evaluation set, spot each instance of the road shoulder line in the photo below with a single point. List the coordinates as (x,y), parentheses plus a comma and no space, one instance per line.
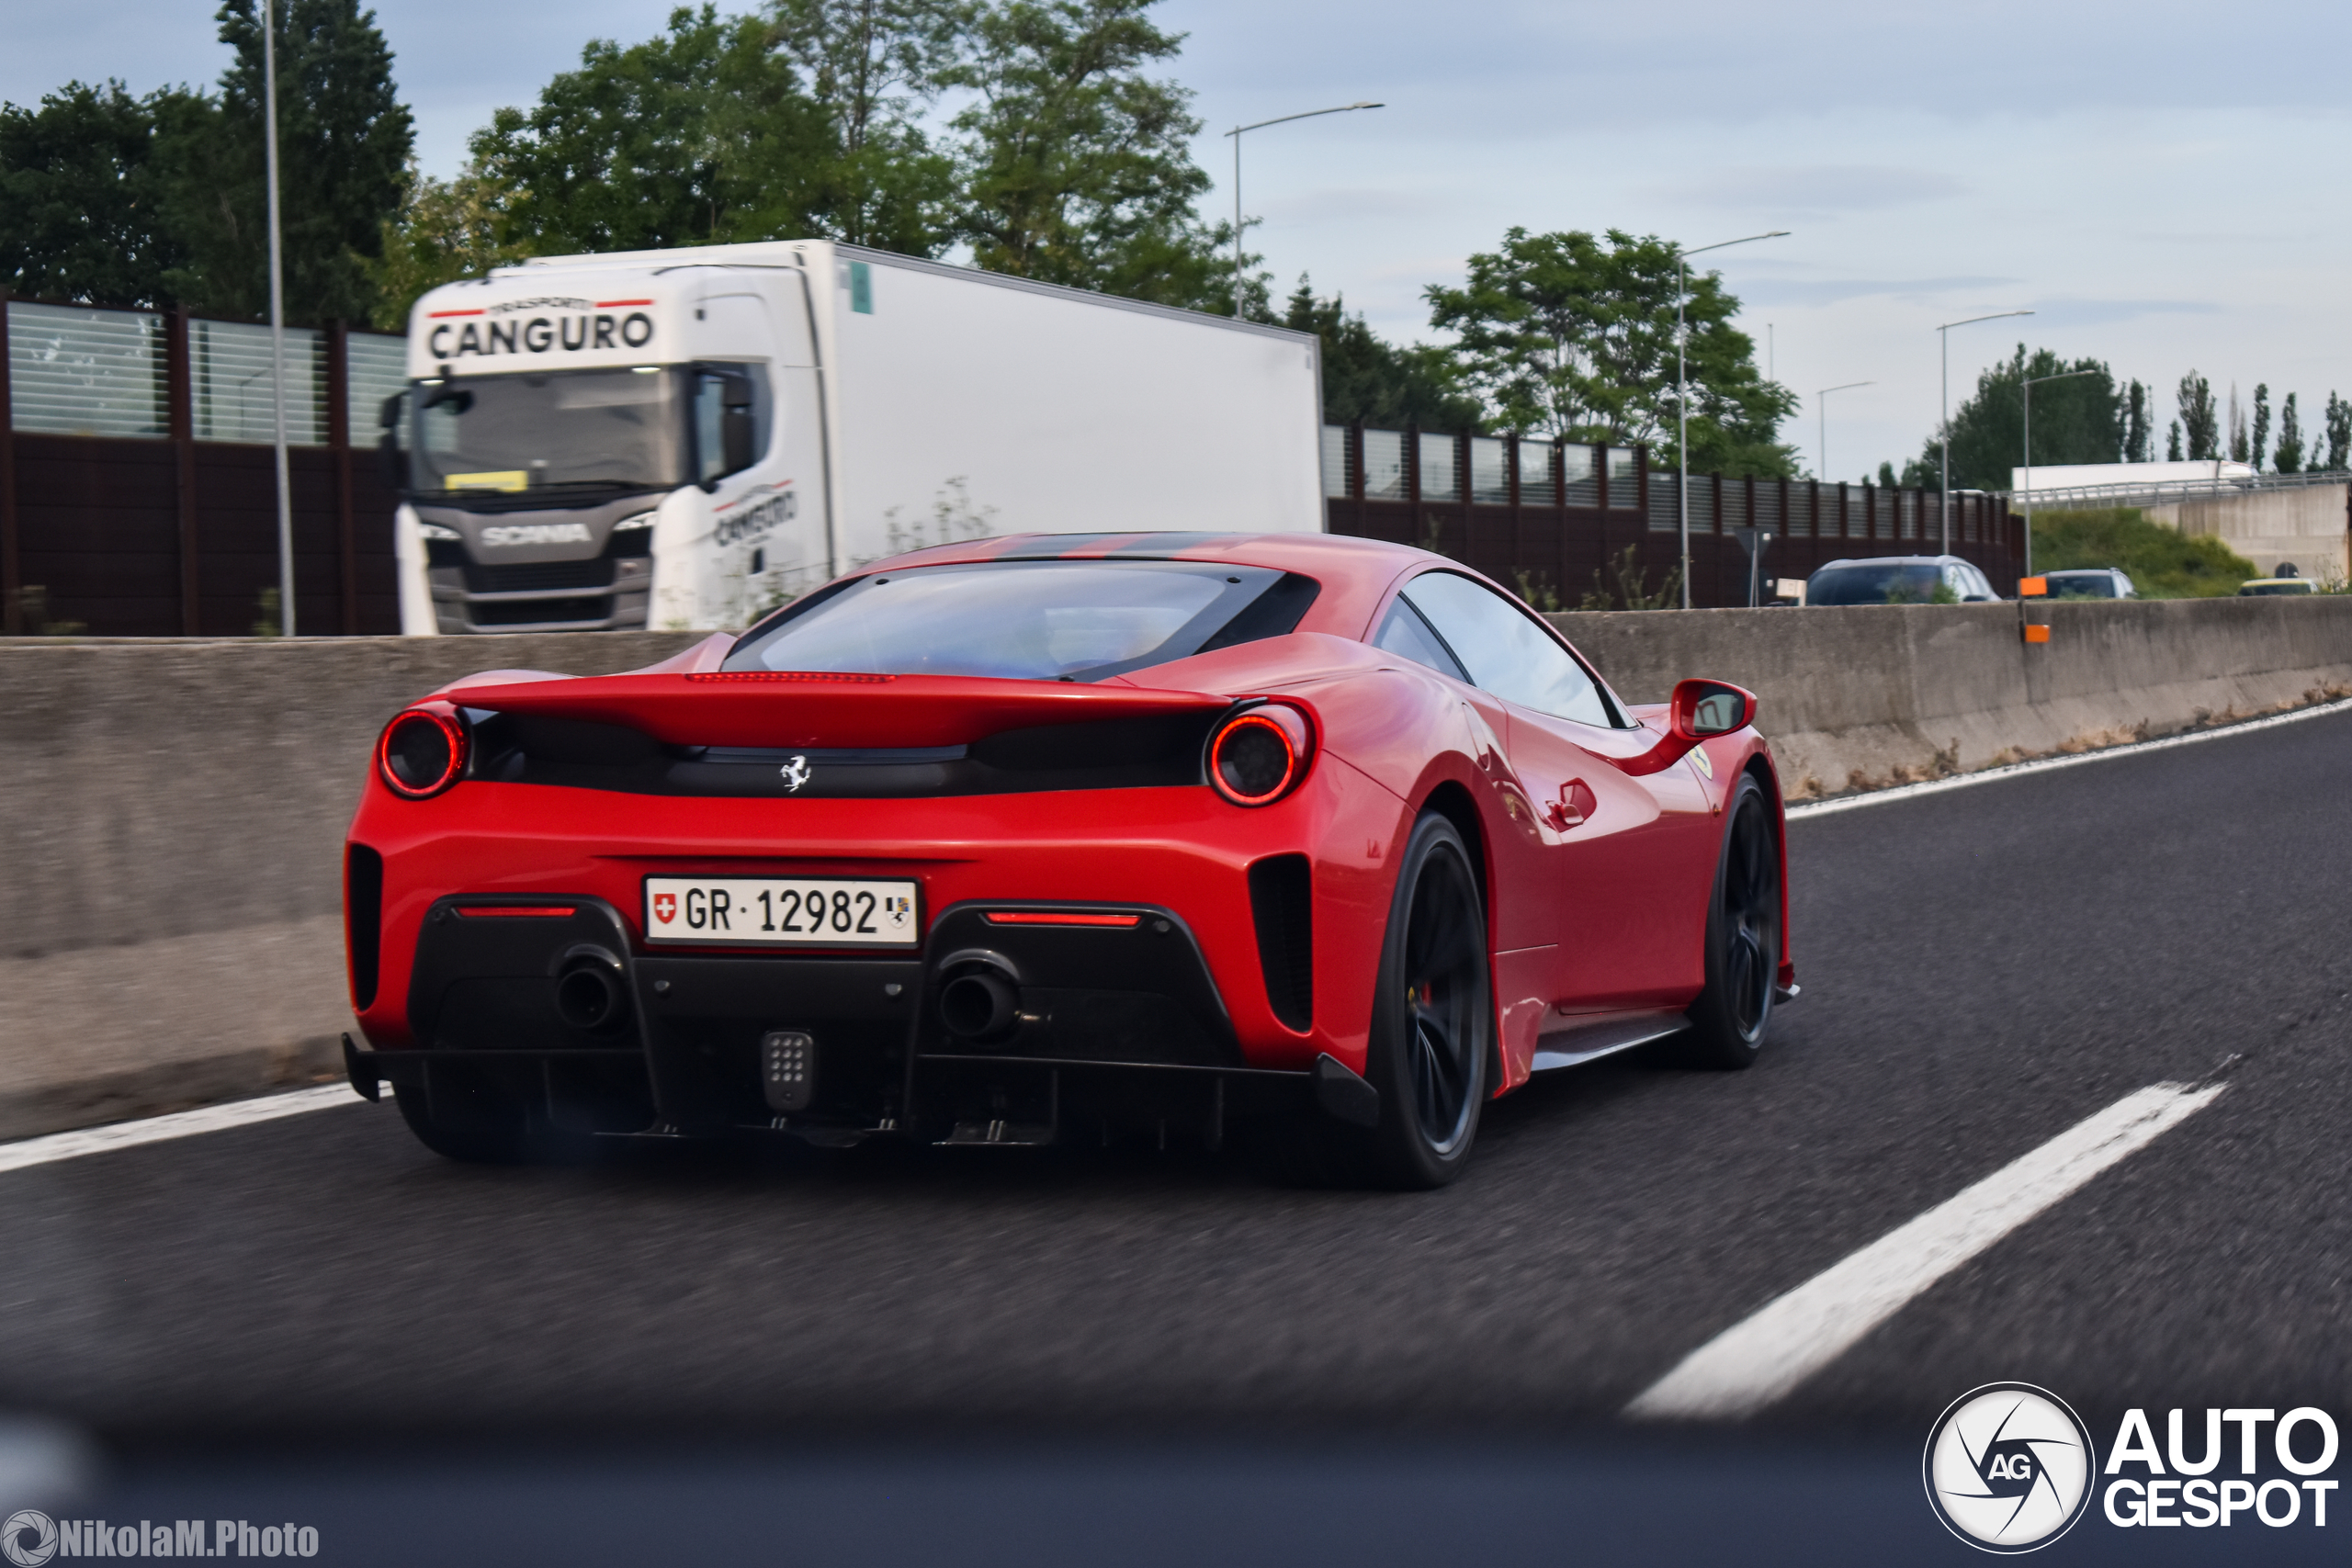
(178,1125)
(1763,1358)
(2044,764)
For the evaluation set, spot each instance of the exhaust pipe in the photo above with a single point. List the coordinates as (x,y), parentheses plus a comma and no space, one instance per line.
(588,993)
(979,1005)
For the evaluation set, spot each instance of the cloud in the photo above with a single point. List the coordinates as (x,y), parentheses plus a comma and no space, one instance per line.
(1836,291)
(1815,191)
(2076,312)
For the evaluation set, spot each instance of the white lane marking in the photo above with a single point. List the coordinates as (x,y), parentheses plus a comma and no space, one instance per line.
(2044,764)
(178,1125)
(1757,1362)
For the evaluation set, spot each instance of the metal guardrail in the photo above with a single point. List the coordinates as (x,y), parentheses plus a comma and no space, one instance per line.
(2152,494)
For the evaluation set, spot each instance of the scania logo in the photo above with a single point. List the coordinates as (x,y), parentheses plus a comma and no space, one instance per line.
(2009,1467)
(796,774)
(499,535)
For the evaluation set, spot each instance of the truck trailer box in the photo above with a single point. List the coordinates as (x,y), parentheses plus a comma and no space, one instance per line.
(688,438)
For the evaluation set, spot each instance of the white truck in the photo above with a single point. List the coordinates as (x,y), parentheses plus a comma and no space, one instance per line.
(683,439)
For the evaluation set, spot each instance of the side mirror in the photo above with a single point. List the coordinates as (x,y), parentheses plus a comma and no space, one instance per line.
(391,463)
(1699,710)
(738,437)
(388,415)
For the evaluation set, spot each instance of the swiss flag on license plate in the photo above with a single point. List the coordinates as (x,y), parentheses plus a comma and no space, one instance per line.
(665,906)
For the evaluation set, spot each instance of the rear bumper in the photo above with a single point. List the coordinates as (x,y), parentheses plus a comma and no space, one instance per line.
(1119,1024)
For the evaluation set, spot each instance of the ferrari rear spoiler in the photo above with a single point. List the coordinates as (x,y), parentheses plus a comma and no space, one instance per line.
(812,709)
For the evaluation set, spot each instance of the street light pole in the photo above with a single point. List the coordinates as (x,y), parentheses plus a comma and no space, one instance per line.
(1236,134)
(1682,390)
(1821,407)
(1943,431)
(278,325)
(2030,383)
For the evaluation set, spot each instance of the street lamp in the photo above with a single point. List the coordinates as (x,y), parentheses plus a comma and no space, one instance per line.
(1682,390)
(1821,407)
(1236,134)
(2030,383)
(1943,432)
(277,326)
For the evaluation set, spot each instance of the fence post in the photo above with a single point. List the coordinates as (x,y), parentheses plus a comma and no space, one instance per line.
(179,401)
(346,541)
(12,575)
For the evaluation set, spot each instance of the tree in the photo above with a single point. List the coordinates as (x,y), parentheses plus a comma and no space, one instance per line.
(343,142)
(1573,335)
(2079,420)
(446,230)
(2290,439)
(1077,167)
(2241,450)
(872,67)
(2261,425)
(2198,418)
(2172,444)
(1366,378)
(81,195)
(698,135)
(2339,434)
(2136,425)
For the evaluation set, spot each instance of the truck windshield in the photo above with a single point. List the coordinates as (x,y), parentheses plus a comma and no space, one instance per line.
(1078,620)
(572,430)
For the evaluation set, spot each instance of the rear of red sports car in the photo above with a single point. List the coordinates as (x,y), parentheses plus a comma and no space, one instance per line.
(1029,841)
(1019,898)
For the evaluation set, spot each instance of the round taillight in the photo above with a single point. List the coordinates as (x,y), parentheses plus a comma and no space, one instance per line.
(422,753)
(1258,755)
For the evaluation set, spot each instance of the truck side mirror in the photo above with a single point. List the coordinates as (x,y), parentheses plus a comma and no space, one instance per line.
(391,463)
(1700,710)
(388,416)
(739,438)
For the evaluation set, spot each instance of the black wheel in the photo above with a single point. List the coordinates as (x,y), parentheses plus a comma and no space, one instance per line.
(1730,1017)
(1432,1017)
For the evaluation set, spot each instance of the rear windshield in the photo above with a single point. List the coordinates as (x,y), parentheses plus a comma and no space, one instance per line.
(1885,583)
(1048,620)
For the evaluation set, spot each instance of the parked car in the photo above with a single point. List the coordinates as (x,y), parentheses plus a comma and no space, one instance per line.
(2262,587)
(1899,579)
(2091,583)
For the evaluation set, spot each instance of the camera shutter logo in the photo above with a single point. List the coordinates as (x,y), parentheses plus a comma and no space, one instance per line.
(29,1539)
(2009,1467)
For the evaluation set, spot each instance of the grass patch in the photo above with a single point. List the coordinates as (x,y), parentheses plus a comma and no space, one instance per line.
(2164,563)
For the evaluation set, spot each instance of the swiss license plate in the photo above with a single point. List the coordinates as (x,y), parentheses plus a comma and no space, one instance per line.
(780,911)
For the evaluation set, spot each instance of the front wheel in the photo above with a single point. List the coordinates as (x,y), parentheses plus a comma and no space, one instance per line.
(1743,936)
(1432,1017)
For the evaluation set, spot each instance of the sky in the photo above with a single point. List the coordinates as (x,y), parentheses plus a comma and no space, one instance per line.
(2159,182)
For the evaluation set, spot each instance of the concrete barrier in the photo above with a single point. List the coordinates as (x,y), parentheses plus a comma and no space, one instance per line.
(169,866)
(1862,697)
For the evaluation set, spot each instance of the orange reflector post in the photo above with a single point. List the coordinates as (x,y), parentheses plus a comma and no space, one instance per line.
(2037,634)
(1058,917)
(2033,588)
(516,911)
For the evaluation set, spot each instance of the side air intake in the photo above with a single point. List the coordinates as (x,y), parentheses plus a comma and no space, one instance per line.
(363,914)
(1280,903)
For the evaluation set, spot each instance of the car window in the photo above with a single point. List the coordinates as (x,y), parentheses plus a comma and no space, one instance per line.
(1404,633)
(1504,652)
(1875,582)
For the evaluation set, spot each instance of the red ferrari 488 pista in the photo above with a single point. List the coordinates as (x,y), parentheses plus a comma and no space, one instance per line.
(1045,837)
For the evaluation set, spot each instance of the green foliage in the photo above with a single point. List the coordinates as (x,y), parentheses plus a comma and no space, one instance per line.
(2136,433)
(872,67)
(1367,378)
(2162,562)
(343,142)
(1624,585)
(2077,421)
(1077,167)
(1573,335)
(2172,444)
(2200,421)
(2291,438)
(81,194)
(697,136)
(2261,425)
(2339,434)
(446,230)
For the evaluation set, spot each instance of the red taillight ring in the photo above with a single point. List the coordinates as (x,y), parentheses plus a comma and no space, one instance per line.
(1252,781)
(424,781)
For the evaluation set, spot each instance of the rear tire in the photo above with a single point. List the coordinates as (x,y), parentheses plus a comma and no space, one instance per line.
(1432,1019)
(1729,1020)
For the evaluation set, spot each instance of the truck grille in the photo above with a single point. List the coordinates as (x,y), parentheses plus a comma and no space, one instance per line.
(539,576)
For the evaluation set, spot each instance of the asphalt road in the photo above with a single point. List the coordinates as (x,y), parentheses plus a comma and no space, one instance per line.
(1982,969)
